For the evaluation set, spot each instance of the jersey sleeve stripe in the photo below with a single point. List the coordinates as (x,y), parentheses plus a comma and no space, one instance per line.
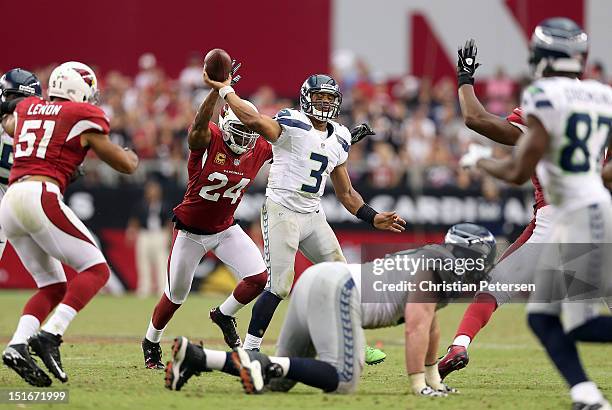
(543,104)
(82,126)
(290,122)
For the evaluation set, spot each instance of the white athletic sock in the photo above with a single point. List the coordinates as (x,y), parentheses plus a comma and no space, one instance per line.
(586,392)
(60,320)
(215,359)
(284,362)
(231,306)
(28,325)
(252,342)
(462,340)
(154,335)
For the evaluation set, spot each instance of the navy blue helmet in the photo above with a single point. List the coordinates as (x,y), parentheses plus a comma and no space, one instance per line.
(320,83)
(558,45)
(471,241)
(19,83)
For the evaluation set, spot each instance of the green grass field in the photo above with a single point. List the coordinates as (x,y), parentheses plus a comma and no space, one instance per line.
(101,353)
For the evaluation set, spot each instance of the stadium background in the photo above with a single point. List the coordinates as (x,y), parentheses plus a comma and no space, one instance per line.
(394,61)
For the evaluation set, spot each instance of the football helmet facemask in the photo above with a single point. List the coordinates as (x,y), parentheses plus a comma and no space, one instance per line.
(321,110)
(236,135)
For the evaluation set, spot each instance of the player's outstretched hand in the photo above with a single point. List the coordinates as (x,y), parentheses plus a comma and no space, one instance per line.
(360,132)
(466,63)
(389,221)
(475,152)
(215,85)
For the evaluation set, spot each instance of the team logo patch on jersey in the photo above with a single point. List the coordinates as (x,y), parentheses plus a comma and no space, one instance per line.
(220,158)
(236,162)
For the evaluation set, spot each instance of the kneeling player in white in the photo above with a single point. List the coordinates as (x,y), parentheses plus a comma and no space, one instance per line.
(331,305)
(308,148)
(569,125)
(223,161)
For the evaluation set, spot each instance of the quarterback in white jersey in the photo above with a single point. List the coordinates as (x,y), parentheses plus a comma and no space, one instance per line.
(321,341)
(569,122)
(308,147)
(14,84)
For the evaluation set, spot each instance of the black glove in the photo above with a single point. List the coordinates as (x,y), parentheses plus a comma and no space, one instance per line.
(235,67)
(360,132)
(466,63)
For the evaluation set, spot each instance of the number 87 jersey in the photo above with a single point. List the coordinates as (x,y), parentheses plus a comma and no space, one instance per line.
(217,180)
(578,118)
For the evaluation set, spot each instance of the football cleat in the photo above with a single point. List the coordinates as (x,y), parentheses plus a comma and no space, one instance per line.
(602,405)
(46,346)
(374,356)
(17,357)
(227,324)
(447,389)
(253,369)
(429,392)
(455,359)
(152,354)
(188,359)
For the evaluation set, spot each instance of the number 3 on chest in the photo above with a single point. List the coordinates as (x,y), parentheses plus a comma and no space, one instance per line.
(233,192)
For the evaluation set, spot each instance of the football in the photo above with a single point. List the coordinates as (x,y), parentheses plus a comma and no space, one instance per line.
(218,64)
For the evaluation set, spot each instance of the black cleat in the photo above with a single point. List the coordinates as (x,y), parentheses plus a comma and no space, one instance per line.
(254,369)
(46,346)
(152,354)
(17,357)
(602,405)
(227,324)
(188,359)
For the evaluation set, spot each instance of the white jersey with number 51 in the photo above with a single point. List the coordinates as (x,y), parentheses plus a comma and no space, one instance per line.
(578,117)
(303,160)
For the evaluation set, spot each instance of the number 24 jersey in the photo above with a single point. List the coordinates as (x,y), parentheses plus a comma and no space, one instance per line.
(578,117)
(217,180)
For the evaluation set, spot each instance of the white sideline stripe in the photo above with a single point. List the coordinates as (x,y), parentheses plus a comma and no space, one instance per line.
(82,126)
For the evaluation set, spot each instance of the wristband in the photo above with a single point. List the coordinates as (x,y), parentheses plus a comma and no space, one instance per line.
(417,382)
(366,213)
(464,78)
(223,91)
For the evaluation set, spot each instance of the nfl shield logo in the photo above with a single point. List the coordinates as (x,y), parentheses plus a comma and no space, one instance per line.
(236,162)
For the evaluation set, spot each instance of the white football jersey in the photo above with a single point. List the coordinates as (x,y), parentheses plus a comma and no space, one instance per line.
(6,157)
(303,159)
(578,117)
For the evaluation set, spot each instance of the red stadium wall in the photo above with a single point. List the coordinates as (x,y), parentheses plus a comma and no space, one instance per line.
(280,42)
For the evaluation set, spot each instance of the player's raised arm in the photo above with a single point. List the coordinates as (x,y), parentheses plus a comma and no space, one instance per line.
(353,202)
(475,116)
(121,159)
(265,126)
(199,134)
(518,168)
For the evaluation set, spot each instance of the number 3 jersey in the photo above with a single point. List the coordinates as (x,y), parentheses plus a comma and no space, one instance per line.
(578,117)
(217,180)
(303,160)
(46,137)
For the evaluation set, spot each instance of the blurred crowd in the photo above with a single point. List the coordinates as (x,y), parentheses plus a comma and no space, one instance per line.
(419,139)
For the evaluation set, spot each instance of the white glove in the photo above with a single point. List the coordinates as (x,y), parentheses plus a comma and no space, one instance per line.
(475,152)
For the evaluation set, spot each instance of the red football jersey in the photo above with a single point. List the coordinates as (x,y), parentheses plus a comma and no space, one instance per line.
(46,140)
(516,119)
(217,180)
